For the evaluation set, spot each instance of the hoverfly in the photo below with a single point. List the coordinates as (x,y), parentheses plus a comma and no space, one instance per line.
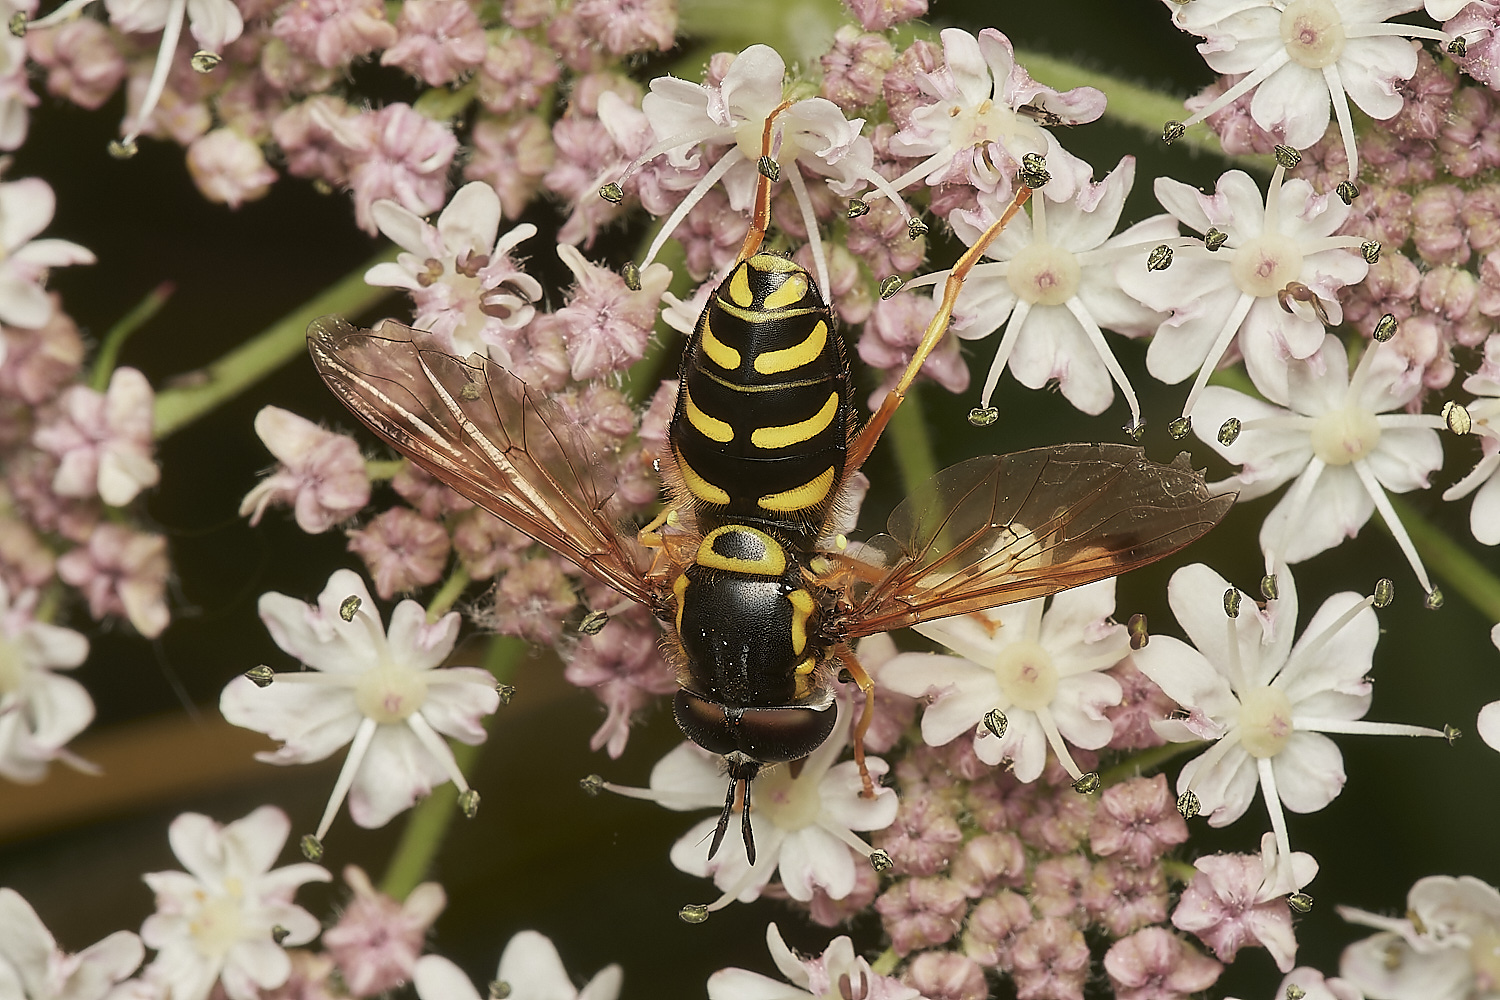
(758,615)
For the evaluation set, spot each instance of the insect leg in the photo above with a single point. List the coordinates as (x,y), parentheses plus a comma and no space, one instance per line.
(867,685)
(760,221)
(869,434)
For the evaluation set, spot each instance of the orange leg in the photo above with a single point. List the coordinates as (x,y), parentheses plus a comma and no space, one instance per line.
(867,685)
(761,220)
(870,433)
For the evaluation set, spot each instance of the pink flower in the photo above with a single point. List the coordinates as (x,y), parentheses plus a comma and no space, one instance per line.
(321,476)
(1155,964)
(485,544)
(306,134)
(1137,821)
(378,940)
(512,157)
(103,441)
(1237,900)
(438,40)
(1123,898)
(622,27)
(427,494)
(606,324)
(40,361)
(879,15)
(334,32)
(228,168)
(26,208)
(395,153)
(839,971)
(947,975)
(515,75)
(624,668)
(34,967)
(40,710)
(1050,961)
(121,572)
(925,836)
(891,336)
(922,912)
(83,62)
(402,549)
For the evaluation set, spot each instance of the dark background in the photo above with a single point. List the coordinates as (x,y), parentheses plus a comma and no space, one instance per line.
(593,873)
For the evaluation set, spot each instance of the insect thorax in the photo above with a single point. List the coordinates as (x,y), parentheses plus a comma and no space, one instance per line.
(763,413)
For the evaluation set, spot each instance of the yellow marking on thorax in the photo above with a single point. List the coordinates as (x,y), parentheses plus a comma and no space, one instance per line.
(739,287)
(804,674)
(770,562)
(698,486)
(719,352)
(802,609)
(790,434)
(772,362)
(679,589)
(809,494)
(789,294)
(774,264)
(761,315)
(710,427)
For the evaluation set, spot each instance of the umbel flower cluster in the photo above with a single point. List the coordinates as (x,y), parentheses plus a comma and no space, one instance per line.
(1323,322)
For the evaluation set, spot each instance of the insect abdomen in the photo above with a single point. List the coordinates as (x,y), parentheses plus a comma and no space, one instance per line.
(763,412)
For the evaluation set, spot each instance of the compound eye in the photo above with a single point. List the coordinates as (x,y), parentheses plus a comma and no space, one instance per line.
(768,735)
(791,732)
(705,722)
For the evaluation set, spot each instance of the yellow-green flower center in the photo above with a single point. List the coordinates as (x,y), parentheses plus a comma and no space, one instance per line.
(390,693)
(1044,275)
(1345,436)
(1265,721)
(791,805)
(1313,33)
(1026,675)
(1263,266)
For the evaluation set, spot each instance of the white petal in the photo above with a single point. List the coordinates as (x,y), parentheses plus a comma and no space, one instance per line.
(1488,724)
(812,857)
(534,969)
(471,220)
(436,978)
(1309,772)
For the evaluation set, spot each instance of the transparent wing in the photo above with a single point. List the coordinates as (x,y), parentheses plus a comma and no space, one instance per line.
(1006,528)
(478,428)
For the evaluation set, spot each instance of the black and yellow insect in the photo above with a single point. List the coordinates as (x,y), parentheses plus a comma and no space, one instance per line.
(758,614)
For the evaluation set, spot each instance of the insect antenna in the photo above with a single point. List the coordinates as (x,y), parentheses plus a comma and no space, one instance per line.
(745,831)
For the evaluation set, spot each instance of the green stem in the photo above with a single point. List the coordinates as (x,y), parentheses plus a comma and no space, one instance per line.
(378,470)
(266,351)
(1146,760)
(429,822)
(451,590)
(907,433)
(1134,105)
(109,350)
(1178,871)
(885,963)
(1447,559)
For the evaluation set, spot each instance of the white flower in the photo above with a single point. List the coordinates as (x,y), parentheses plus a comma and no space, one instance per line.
(1340,443)
(530,967)
(836,974)
(1262,700)
(802,826)
(103,440)
(1297,55)
(1484,516)
(1444,949)
(468,290)
(1043,671)
(26,208)
(988,114)
(40,710)
(215,922)
(322,475)
(1313,985)
(381,693)
(1053,286)
(812,132)
(1488,723)
(33,968)
(213,23)
(1255,286)
(15,93)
